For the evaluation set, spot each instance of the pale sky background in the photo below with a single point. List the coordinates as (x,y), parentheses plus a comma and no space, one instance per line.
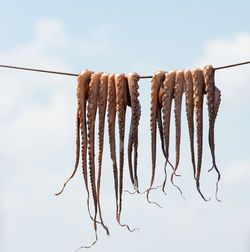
(37,124)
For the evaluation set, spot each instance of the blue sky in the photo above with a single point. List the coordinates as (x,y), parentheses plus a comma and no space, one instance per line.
(37,123)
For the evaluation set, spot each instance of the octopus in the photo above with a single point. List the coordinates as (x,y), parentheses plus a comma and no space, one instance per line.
(156,83)
(121,89)
(213,102)
(178,91)
(84,95)
(198,90)
(91,114)
(188,87)
(161,131)
(102,103)
(111,133)
(168,87)
(133,86)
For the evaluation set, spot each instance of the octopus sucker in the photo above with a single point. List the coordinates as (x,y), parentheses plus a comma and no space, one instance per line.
(156,83)
(111,133)
(188,88)
(133,86)
(102,103)
(198,87)
(91,115)
(168,88)
(210,93)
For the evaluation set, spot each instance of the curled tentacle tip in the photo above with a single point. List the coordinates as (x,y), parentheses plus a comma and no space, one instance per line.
(152,202)
(57,194)
(132,230)
(136,229)
(206,199)
(127,191)
(177,175)
(82,247)
(155,203)
(164,192)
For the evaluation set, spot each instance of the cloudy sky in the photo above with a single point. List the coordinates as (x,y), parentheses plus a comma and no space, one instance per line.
(37,123)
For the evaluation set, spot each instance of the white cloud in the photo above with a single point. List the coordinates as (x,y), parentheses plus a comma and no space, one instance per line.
(238,173)
(234,82)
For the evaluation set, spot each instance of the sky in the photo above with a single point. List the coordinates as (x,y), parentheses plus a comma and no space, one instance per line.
(37,124)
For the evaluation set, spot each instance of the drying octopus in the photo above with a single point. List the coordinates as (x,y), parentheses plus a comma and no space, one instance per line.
(202,82)
(178,92)
(133,100)
(213,102)
(188,88)
(124,92)
(91,95)
(198,92)
(168,92)
(156,83)
(94,91)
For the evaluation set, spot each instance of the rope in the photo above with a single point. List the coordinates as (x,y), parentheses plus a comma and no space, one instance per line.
(73,74)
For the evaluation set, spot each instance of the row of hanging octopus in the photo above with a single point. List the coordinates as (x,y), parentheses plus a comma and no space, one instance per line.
(98,91)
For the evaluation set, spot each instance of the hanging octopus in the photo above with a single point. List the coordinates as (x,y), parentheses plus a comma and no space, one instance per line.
(121,105)
(111,133)
(91,115)
(133,79)
(178,91)
(102,102)
(188,87)
(86,80)
(198,90)
(168,86)
(212,112)
(156,83)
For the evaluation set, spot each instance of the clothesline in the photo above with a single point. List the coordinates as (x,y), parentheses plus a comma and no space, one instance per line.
(73,74)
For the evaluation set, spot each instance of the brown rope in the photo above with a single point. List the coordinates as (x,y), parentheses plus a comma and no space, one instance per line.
(72,74)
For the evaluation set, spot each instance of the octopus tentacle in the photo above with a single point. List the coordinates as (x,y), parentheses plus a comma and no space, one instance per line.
(111,131)
(91,115)
(121,103)
(133,79)
(156,83)
(120,87)
(217,100)
(178,92)
(198,83)
(168,86)
(188,86)
(210,89)
(160,127)
(102,102)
